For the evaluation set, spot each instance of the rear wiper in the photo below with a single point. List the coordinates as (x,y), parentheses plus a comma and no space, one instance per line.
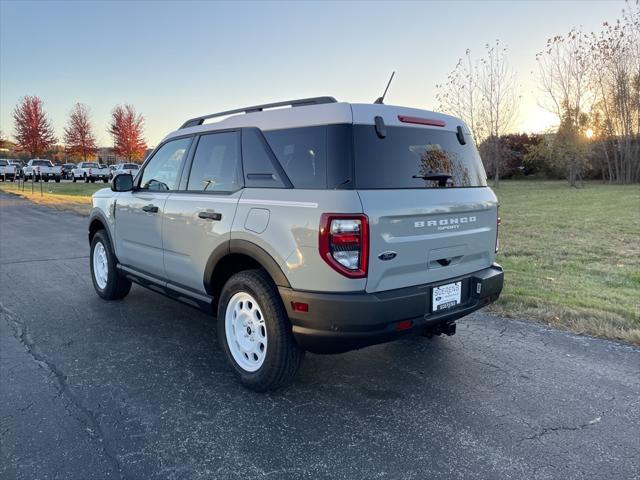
(439,177)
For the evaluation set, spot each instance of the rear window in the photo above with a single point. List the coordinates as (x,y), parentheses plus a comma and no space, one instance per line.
(130,166)
(89,165)
(41,163)
(3,163)
(412,157)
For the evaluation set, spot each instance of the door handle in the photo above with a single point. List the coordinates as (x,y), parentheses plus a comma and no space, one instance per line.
(210,216)
(150,208)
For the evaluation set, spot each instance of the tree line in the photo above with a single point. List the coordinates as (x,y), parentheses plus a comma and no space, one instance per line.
(589,81)
(34,133)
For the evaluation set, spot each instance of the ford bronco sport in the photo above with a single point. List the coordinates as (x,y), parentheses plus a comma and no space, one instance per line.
(324,226)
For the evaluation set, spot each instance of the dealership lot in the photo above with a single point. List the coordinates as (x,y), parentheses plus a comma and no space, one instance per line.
(139,389)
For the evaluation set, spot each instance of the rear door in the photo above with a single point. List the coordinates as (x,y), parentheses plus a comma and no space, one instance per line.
(431,215)
(139,213)
(198,218)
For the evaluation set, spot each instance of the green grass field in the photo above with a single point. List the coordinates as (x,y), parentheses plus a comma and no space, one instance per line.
(572,256)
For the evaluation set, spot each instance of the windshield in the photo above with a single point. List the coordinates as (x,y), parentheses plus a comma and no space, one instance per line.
(41,163)
(412,157)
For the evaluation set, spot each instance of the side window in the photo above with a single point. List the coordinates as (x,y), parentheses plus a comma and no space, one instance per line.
(163,170)
(216,163)
(260,167)
(302,153)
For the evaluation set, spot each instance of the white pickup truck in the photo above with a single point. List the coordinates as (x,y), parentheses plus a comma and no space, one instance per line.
(90,172)
(40,169)
(7,171)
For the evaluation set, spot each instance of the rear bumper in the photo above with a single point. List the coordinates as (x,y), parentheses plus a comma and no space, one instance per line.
(338,322)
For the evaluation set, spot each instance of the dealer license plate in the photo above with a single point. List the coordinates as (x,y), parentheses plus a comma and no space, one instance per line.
(446,296)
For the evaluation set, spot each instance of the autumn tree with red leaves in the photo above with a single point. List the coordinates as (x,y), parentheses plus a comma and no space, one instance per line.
(127,128)
(33,130)
(78,135)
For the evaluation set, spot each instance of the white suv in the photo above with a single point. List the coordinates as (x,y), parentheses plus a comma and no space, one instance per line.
(326,226)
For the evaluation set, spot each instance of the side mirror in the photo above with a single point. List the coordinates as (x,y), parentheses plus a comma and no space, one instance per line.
(122,183)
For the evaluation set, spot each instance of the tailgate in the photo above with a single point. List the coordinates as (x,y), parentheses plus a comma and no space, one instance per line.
(435,234)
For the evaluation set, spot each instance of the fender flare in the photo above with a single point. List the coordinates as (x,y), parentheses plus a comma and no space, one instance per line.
(99,216)
(249,249)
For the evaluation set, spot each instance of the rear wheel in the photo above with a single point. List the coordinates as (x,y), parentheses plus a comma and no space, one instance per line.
(107,281)
(255,334)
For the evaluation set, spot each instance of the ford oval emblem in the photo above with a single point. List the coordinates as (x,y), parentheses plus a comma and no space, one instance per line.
(387,255)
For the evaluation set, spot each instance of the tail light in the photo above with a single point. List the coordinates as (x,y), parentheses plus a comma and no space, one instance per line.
(344,243)
(498,221)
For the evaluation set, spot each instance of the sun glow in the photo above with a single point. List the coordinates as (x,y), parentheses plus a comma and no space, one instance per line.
(589,133)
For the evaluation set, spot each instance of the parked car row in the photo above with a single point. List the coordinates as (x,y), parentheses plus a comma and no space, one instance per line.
(42,169)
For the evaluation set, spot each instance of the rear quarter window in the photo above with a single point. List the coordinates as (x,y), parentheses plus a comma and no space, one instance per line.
(314,157)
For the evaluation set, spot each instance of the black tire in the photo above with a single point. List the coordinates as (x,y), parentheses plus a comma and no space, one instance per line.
(284,357)
(104,180)
(73,178)
(57,180)
(117,286)
(36,179)
(93,180)
(46,180)
(86,179)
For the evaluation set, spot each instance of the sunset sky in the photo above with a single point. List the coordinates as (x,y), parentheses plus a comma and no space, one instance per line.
(174,60)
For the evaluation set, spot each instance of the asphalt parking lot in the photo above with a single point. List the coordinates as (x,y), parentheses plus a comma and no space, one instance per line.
(138,389)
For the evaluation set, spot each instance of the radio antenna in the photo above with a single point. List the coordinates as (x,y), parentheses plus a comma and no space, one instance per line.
(380,100)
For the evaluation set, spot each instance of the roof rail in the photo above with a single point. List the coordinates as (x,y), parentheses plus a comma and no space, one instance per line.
(258,108)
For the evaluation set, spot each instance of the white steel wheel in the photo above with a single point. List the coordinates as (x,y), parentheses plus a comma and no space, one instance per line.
(100,266)
(246,331)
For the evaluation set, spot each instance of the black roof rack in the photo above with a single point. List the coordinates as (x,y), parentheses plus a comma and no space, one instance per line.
(258,108)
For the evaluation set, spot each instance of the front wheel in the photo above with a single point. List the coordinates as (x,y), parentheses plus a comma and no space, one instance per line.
(255,333)
(107,281)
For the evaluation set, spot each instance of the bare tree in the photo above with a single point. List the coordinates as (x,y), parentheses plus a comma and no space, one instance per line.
(485,95)
(499,101)
(563,72)
(616,81)
(459,95)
